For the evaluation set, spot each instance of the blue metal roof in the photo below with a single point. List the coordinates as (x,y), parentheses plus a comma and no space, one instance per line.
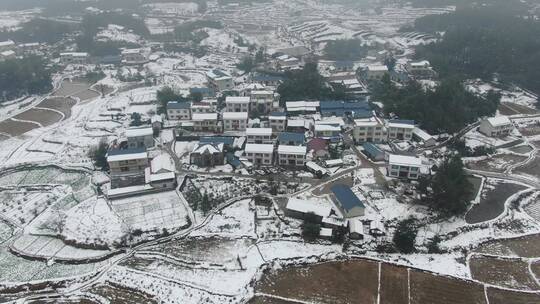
(126,151)
(291,136)
(346,197)
(233,160)
(372,149)
(342,105)
(178,105)
(402,121)
(201,90)
(228,141)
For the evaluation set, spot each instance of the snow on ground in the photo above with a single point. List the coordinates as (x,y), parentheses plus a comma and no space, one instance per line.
(448,264)
(93,222)
(152,212)
(181,148)
(115,32)
(237,220)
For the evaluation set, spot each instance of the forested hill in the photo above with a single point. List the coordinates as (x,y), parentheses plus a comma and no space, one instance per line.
(485,41)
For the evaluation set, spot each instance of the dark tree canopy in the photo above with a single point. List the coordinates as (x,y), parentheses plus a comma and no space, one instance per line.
(345,49)
(39,30)
(448,108)
(20,77)
(482,42)
(164,96)
(405,236)
(451,189)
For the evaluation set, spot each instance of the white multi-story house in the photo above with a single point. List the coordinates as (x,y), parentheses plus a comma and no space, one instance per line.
(206,122)
(376,72)
(419,66)
(7,45)
(235,121)
(263,101)
(237,104)
(277,121)
(134,56)
(202,107)
(369,130)
(400,129)
(401,166)
(74,58)
(140,137)
(219,80)
(127,162)
(260,154)
(294,156)
(496,126)
(332,132)
(178,110)
(259,135)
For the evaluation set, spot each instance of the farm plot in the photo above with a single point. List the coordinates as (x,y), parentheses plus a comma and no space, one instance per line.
(334,282)
(229,281)
(533,209)
(531,168)
(46,176)
(215,250)
(507,108)
(504,272)
(16,128)
(498,163)
(535,269)
(41,116)
(493,201)
(429,288)
(158,212)
(500,296)
(49,247)
(5,232)
(525,247)
(269,300)
(61,104)
(393,286)
(236,220)
(524,149)
(21,207)
(121,295)
(3,137)
(69,88)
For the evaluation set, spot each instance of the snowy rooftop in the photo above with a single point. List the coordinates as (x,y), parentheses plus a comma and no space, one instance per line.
(127,154)
(423,135)
(377,68)
(292,150)
(161,163)
(259,148)
(237,99)
(75,54)
(305,206)
(235,115)
(258,131)
(204,116)
(404,160)
(137,132)
(261,92)
(208,148)
(6,43)
(322,128)
(499,121)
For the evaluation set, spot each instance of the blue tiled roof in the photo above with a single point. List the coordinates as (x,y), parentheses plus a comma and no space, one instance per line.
(402,121)
(217,140)
(126,151)
(178,105)
(346,197)
(372,149)
(233,160)
(278,114)
(291,136)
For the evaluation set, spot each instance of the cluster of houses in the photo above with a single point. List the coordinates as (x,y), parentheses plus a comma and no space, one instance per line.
(127,57)
(10,50)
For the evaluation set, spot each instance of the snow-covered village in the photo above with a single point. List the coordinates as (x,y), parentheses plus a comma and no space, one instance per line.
(269,151)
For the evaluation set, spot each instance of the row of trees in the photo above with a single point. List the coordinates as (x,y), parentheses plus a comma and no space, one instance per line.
(345,49)
(39,30)
(19,77)
(446,109)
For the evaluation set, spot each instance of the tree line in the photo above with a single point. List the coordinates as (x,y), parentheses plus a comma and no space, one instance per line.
(20,77)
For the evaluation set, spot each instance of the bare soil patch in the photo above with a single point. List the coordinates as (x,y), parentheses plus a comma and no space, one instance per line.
(521,149)
(44,117)
(506,108)
(500,296)
(498,163)
(119,295)
(332,283)
(525,247)
(394,287)
(492,203)
(531,168)
(428,288)
(16,128)
(510,273)
(268,300)
(68,88)
(61,104)
(535,268)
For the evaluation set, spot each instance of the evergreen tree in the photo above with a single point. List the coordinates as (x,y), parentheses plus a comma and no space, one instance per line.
(405,235)
(451,189)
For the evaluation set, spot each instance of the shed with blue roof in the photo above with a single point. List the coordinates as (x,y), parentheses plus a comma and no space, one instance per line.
(347,201)
(373,152)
